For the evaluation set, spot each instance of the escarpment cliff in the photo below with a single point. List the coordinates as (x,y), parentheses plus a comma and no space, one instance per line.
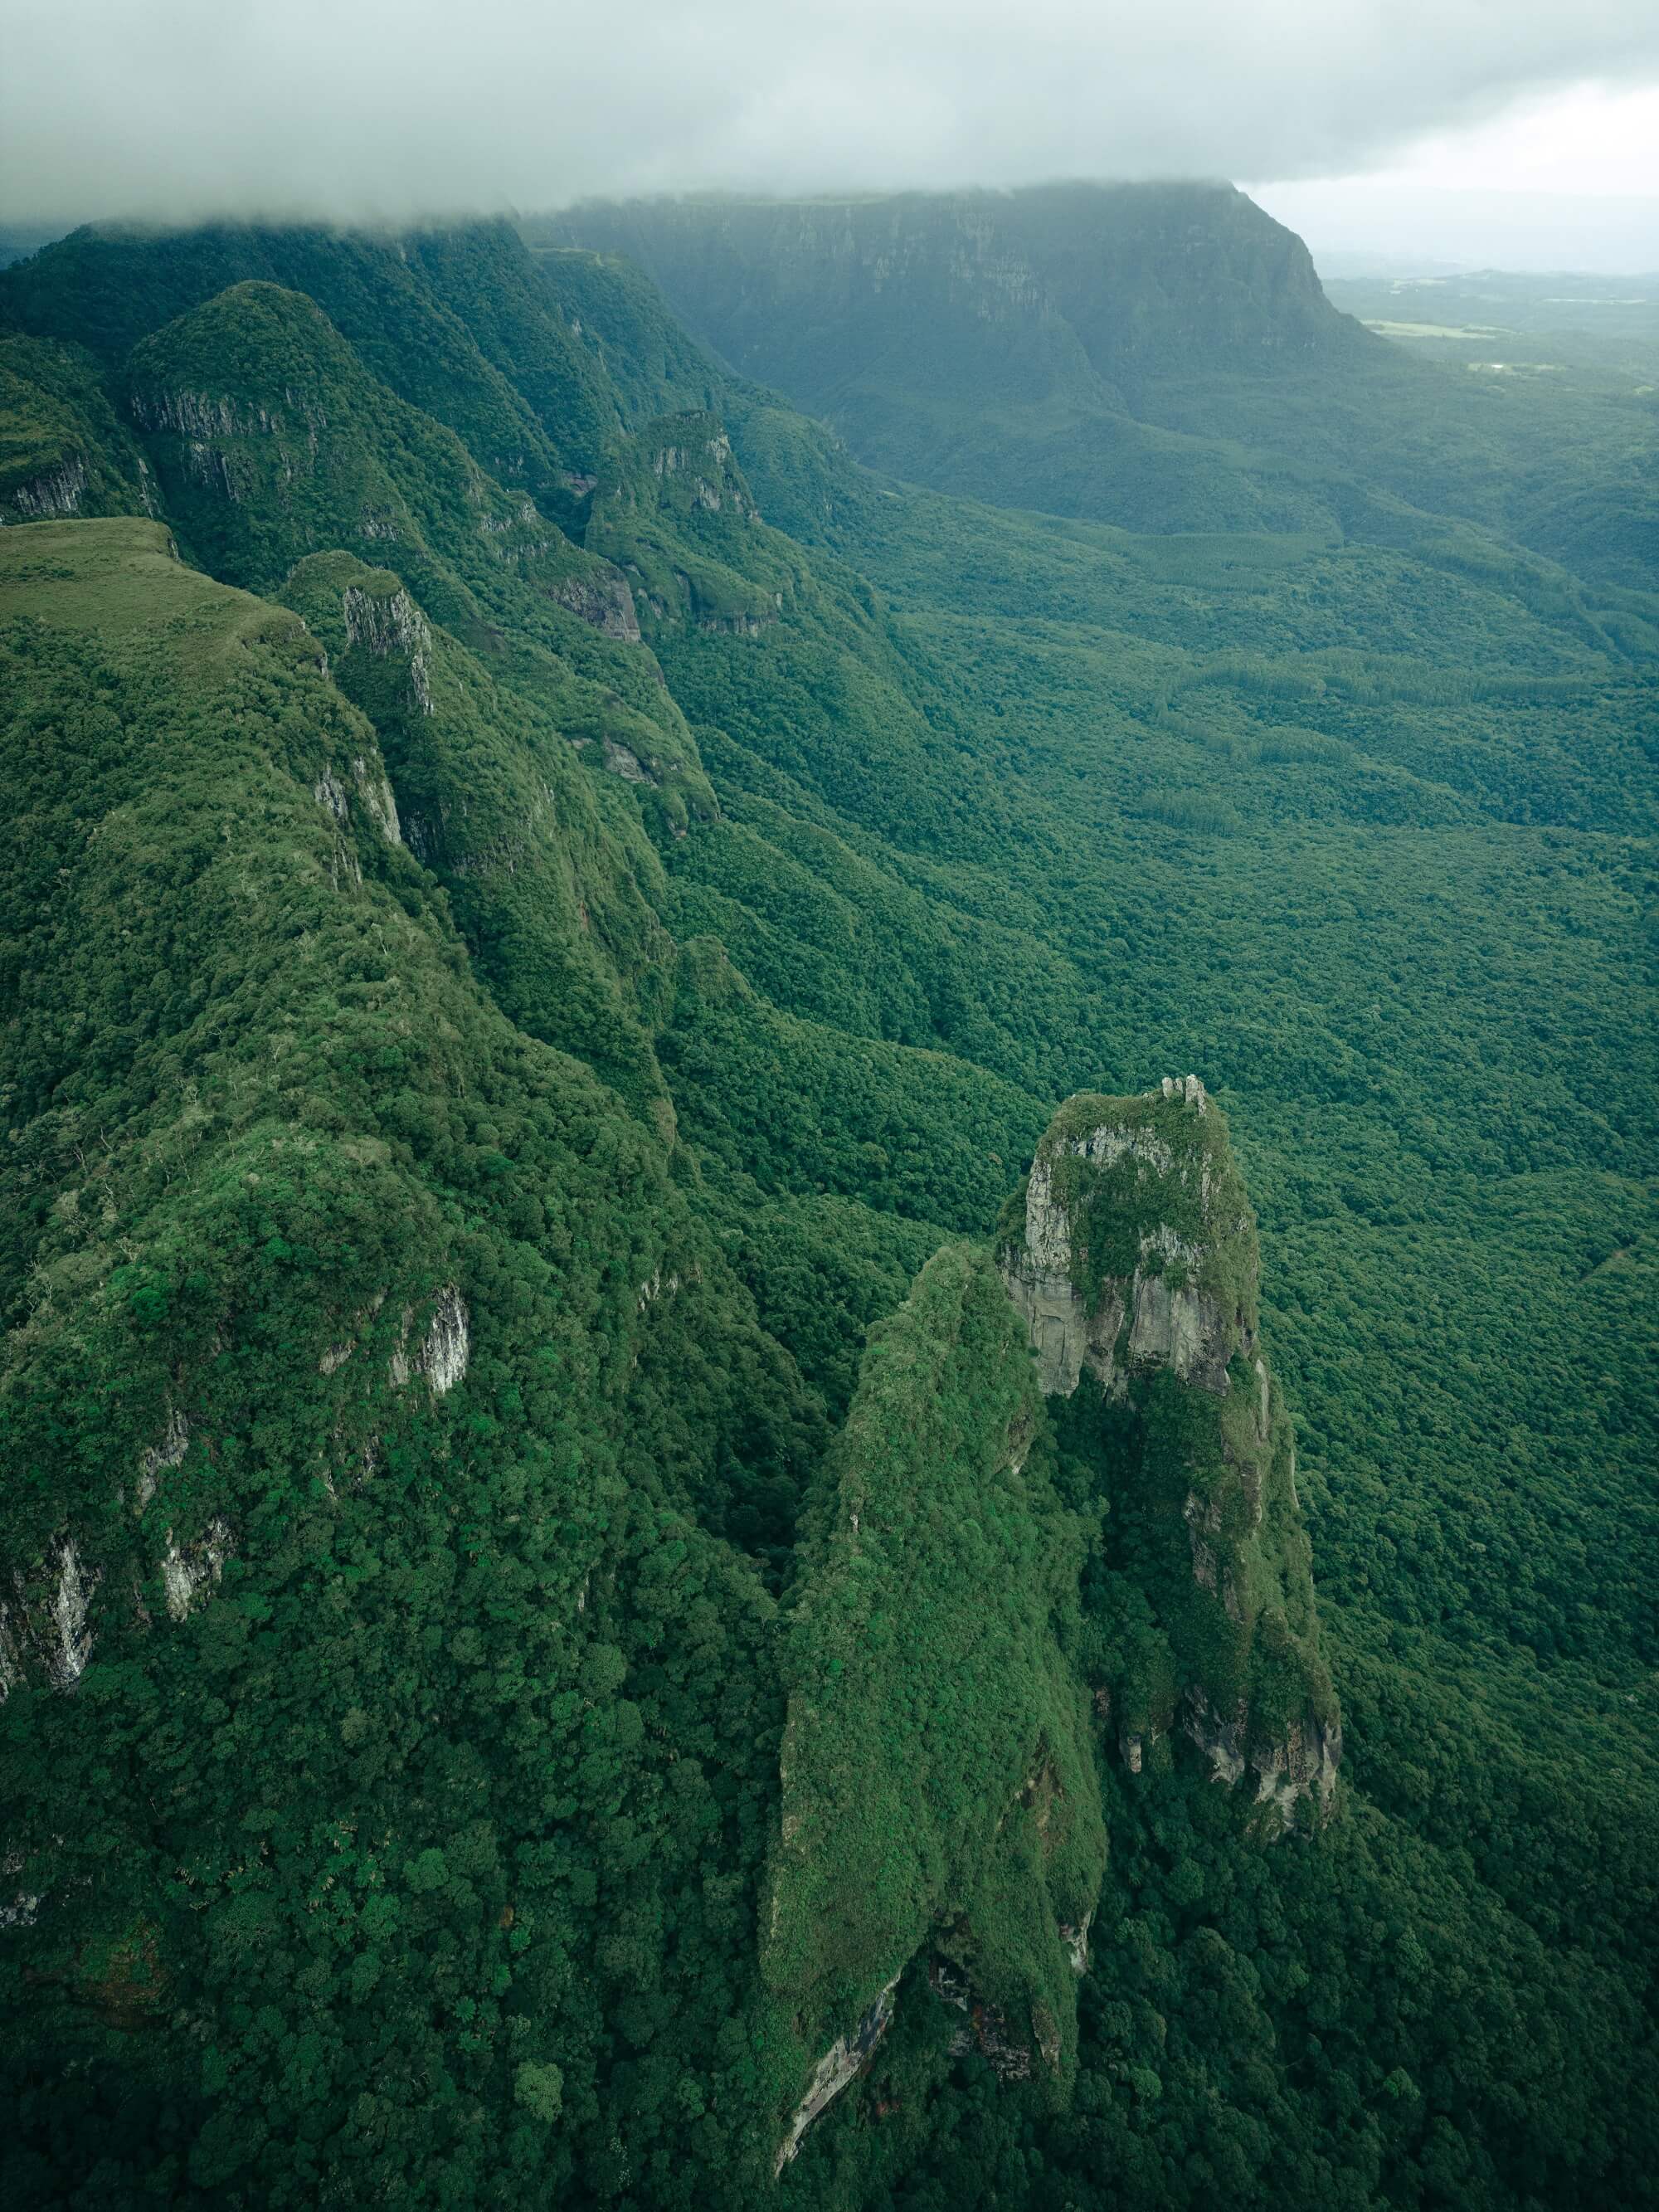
(1062,321)
(1073,287)
(1131,1255)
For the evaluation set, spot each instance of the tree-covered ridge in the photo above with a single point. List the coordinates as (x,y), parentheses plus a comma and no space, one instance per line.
(543,879)
(990,808)
(271,436)
(938,1783)
(271,441)
(434,323)
(364,1359)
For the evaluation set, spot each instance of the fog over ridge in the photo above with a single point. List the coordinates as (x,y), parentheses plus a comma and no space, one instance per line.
(168,110)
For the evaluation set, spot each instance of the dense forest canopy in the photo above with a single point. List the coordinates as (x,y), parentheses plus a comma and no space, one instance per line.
(681,1519)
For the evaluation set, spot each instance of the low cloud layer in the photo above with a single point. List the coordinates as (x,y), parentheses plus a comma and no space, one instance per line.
(176,109)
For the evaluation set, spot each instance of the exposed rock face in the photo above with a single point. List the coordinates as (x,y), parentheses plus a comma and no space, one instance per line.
(706,462)
(55,491)
(189,1570)
(622,760)
(1076,1941)
(603,599)
(201,415)
(213,432)
(443,1357)
(168,1453)
(71,1638)
(330,792)
(384,623)
(372,790)
(1134,1261)
(844,2060)
(1303,1763)
(1074,1312)
(44,1629)
(445,1349)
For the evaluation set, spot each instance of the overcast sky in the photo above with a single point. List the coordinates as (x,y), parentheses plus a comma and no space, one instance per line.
(1565,179)
(173,109)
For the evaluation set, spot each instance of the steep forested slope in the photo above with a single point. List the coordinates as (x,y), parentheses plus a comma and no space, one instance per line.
(371,1360)
(507,1694)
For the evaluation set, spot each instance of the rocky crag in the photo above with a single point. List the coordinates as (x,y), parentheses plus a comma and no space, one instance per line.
(939,1801)
(1131,1254)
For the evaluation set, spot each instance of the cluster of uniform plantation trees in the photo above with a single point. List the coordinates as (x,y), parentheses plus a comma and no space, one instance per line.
(416,937)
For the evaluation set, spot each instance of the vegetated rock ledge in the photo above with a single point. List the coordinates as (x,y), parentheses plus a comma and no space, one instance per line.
(903,1838)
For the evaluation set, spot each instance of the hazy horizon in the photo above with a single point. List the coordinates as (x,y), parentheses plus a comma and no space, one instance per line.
(1337,121)
(1351,228)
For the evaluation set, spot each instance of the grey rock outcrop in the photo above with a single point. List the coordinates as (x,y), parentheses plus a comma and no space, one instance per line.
(373,793)
(385,623)
(190,1570)
(56,492)
(1302,1763)
(844,2060)
(154,1462)
(603,599)
(1075,1311)
(45,1627)
(444,1350)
